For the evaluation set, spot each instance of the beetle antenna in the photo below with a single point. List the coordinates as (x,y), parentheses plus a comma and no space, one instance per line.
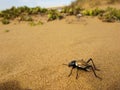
(65,64)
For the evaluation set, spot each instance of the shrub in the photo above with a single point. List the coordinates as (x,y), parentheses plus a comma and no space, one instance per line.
(97,11)
(59,16)
(110,15)
(5,21)
(36,23)
(0,14)
(64,10)
(54,14)
(44,10)
(51,17)
(70,11)
(76,10)
(26,18)
(88,12)
(14,12)
(92,12)
(35,10)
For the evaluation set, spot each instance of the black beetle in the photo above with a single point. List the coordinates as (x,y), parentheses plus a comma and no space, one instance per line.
(82,65)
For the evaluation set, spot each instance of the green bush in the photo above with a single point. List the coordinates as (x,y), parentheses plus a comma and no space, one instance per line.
(44,10)
(110,15)
(5,21)
(92,12)
(0,14)
(32,23)
(59,16)
(26,18)
(65,10)
(14,12)
(35,10)
(54,14)
(97,11)
(70,11)
(86,12)
(76,10)
(51,17)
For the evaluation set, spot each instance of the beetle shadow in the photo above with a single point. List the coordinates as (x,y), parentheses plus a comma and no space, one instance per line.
(12,85)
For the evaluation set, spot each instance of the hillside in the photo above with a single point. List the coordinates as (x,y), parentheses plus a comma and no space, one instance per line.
(94,3)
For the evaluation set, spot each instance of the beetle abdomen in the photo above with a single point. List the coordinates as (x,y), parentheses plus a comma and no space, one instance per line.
(81,64)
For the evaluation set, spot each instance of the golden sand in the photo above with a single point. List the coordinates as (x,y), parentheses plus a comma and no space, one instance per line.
(31,57)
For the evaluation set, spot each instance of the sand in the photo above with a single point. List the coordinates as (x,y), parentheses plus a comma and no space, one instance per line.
(31,57)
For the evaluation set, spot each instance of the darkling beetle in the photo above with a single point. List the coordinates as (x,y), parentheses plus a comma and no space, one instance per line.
(82,65)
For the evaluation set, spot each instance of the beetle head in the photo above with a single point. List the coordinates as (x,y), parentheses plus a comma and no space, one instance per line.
(72,63)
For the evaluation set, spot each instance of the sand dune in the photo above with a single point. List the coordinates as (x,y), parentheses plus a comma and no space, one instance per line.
(31,57)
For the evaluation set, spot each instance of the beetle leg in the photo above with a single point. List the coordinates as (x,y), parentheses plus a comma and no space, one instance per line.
(70,72)
(95,73)
(93,64)
(77,74)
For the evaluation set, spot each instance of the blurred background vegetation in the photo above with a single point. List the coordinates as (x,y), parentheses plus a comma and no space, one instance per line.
(25,13)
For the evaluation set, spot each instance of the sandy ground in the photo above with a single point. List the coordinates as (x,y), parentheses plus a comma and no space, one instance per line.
(31,57)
